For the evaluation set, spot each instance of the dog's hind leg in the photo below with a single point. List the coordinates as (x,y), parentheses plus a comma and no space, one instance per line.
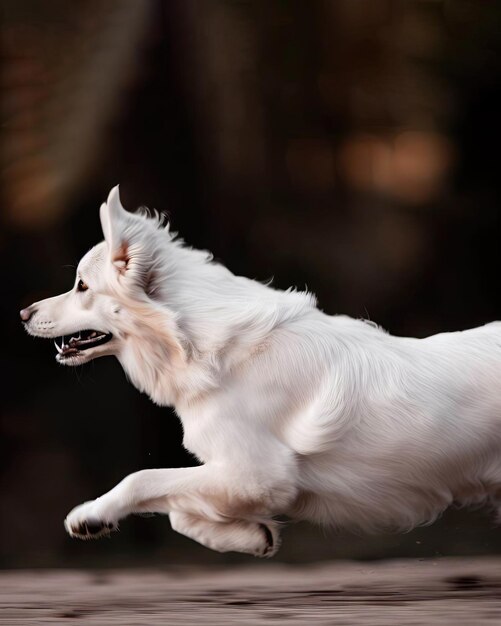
(256,538)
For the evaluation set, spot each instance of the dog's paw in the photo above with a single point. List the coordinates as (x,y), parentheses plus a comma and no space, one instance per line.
(249,537)
(85,522)
(270,541)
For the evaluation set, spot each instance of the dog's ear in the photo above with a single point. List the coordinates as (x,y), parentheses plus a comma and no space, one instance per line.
(116,224)
(128,249)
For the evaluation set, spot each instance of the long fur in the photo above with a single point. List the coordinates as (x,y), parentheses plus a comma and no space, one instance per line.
(289,410)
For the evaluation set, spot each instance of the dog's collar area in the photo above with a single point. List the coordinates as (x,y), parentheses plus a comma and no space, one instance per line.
(70,345)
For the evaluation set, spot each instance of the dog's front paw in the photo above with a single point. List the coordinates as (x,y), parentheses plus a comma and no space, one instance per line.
(87,522)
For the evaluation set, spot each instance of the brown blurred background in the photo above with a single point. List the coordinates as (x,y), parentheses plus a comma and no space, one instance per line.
(347,145)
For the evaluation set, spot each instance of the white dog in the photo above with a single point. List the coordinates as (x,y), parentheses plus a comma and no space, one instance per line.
(290,411)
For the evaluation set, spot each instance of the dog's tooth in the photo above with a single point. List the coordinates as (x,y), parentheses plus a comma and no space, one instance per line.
(57,346)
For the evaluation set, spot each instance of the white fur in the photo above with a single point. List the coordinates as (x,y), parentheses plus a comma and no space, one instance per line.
(290,411)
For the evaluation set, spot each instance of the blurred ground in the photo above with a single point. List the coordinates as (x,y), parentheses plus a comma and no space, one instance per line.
(414,592)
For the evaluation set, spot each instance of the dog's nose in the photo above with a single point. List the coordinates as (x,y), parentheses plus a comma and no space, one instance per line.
(26,313)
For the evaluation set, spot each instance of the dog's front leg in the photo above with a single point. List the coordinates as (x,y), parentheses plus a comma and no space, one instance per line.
(141,492)
(210,493)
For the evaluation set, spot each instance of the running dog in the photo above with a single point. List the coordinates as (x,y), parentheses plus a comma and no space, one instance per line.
(291,412)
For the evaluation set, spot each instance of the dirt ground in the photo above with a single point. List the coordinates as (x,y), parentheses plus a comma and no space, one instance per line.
(410,592)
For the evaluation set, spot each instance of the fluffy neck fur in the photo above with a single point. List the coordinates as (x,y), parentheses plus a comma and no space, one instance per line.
(200,321)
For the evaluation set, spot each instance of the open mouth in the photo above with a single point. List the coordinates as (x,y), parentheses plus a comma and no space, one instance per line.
(71,345)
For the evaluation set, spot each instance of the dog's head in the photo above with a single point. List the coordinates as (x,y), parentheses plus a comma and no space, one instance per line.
(113,305)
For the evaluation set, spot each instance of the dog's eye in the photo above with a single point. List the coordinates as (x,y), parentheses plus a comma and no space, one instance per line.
(82,286)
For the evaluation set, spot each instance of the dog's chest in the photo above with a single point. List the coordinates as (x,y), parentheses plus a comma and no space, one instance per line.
(200,434)
(210,435)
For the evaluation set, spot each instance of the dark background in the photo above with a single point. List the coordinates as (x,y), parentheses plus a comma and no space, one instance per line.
(347,145)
